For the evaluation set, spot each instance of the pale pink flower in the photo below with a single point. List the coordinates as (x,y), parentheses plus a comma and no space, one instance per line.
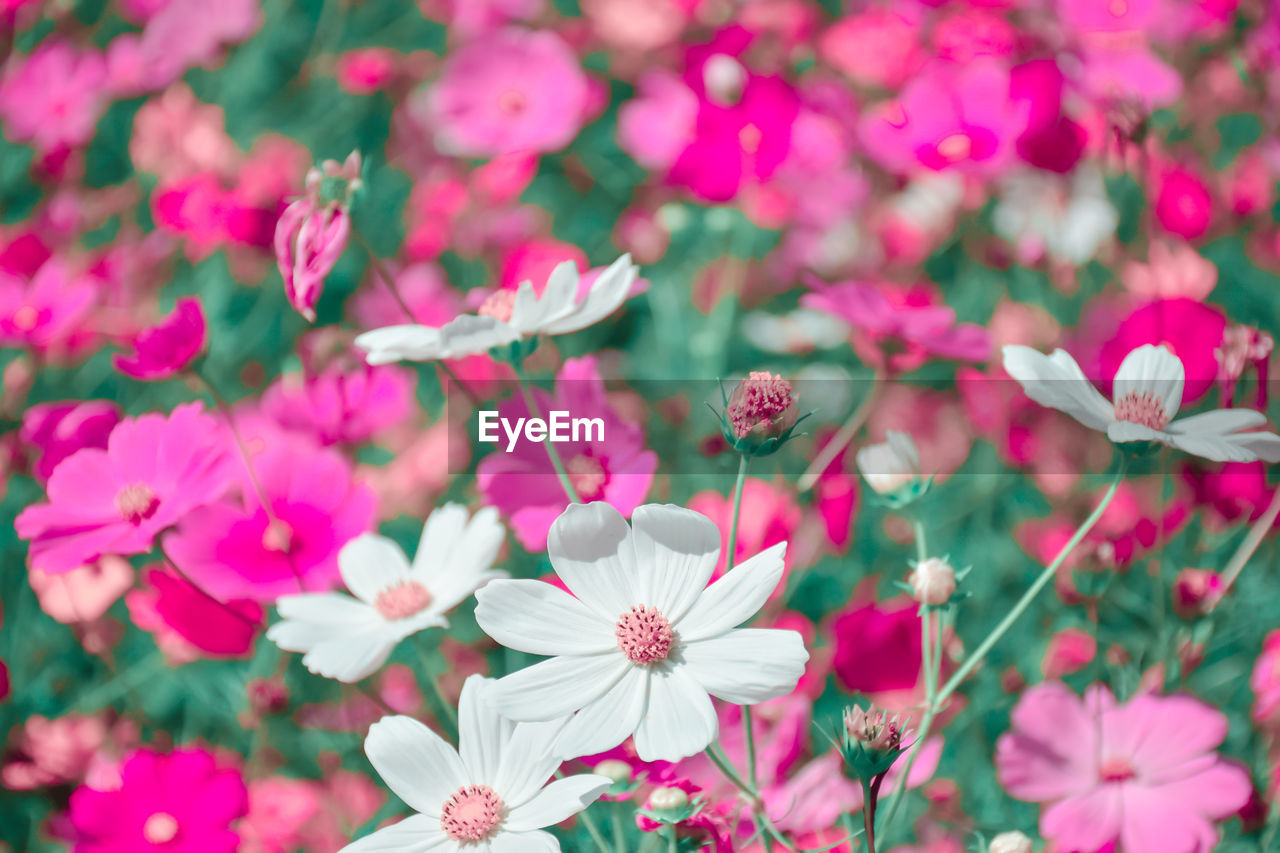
(84,593)
(47,310)
(154,471)
(54,97)
(656,125)
(162,350)
(176,135)
(1172,271)
(508,91)
(879,47)
(1069,651)
(1142,774)
(53,751)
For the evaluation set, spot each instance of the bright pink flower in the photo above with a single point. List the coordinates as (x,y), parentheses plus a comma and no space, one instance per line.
(179,802)
(1069,651)
(970,33)
(309,239)
(949,117)
(214,628)
(168,347)
(1192,330)
(424,288)
(154,471)
(877,647)
(239,550)
(84,593)
(1230,493)
(1142,774)
(57,430)
(884,317)
(522,484)
(54,97)
(45,311)
(1052,140)
(195,208)
(340,406)
(533,260)
(656,125)
(364,71)
(1183,205)
(509,91)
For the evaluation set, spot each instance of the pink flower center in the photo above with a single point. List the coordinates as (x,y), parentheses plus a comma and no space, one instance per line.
(512,102)
(136,503)
(499,305)
(1142,408)
(402,600)
(1116,769)
(749,137)
(758,401)
(278,537)
(955,147)
(644,634)
(587,475)
(472,813)
(26,318)
(160,828)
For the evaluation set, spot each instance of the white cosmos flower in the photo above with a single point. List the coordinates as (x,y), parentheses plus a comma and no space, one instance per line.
(508,316)
(487,797)
(891,465)
(642,641)
(1148,392)
(350,638)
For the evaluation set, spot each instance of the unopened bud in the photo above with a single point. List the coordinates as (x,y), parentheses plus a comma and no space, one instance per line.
(873,729)
(668,799)
(1195,592)
(612,768)
(1010,842)
(760,415)
(933,581)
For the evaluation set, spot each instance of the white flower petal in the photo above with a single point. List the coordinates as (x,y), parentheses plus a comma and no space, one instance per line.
(1152,370)
(676,552)
(471,334)
(1219,448)
(524,842)
(1122,431)
(536,617)
(402,343)
(556,302)
(340,637)
(528,761)
(416,834)
(557,686)
(351,656)
(370,564)
(606,295)
(483,733)
(455,552)
(748,665)
(1057,381)
(1263,445)
(1218,422)
(559,801)
(735,597)
(417,765)
(591,549)
(679,720)
(325,608)
(609,720)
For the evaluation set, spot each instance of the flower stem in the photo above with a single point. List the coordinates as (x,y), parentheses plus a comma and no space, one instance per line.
(380,269)
(554,454)
(450,713)
(931,663)
(922,548)
(731,551)
(870,792)
(1250,544)
(841,439)
(672,845)
(1040,583)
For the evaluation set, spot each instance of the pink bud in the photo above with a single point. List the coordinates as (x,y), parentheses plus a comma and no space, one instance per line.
(872,728)
(1195,591)
(933,581)
(762,405)
(1069,650)
(308,242)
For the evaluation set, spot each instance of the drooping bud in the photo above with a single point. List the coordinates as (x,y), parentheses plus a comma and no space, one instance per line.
(892,469)
(312,232)
(1010,842)
(933,581)
(1196,592)
(760,415)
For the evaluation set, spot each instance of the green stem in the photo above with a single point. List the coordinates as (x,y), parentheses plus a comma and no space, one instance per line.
(383,273)
(672,845)
(594,831)
(751,746)
(1040,583)
(443,701)
(619,829)
(841,439)
(743,462)
(922,548)
(554,454)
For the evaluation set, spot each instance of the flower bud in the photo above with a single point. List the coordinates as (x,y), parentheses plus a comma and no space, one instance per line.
(1195,592)
(933,581)
(760,415)
(889,466)
(668,799)
(1010,842)
(875,730)
(612,768)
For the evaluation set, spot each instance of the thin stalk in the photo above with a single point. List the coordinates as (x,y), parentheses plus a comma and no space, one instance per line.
(383,273)
(870,793)
(554,454)
(1250,544)
(841,439)
(922,548)
(672,845)
(743,462)
(449,711)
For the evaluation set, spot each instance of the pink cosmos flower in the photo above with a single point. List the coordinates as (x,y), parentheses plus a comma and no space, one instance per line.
(656,125)
(181,802)
(364,71)
(884,317)
(878,647)
(54,97)
(85,593)
(1069,651)
(879,47)
(1183,204)
(309,239)
(1172,271)
(522,484)
(508,91)
(168,347)
(45,311)
(339,405)
(949,117)
(1191,330)
(1142,774)
(57,430)
(55,751)
(154,471)
(239,550)
(1227,494)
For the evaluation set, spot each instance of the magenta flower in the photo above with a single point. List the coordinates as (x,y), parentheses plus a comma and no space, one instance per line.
(1190,329)
(154,471)
(309,239)
(1142,774)
(949,117)
(239,550)
(523,485)
(179,802)
(509,91)
(215,628)
(58,430)
(45,311)
(897,316)
(54,97)
(338,406)
(168,347)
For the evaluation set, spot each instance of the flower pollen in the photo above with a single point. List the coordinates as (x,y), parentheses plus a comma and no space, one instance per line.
(587,476)
(644,635)
(136,503)
(1116,770)
(500,305)
(160,828)
(1143,408)
(472,813)
(402,600)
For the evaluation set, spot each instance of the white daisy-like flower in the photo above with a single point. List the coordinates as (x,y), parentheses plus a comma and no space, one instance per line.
(1148,392)
(891,465)
(508,316)
(350,638)
(642,640)
(488,796)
